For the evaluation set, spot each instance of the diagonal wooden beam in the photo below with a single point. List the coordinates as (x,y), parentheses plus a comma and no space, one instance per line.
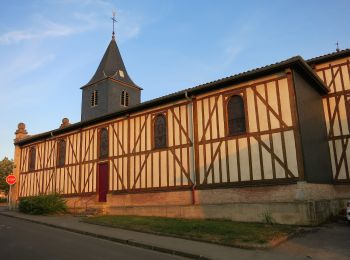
(210,117)
(261,142)
(70,176)
(180,125)
(181,166)
(342,158)
(37,181)
(211,163)
(139,174)
(118,140)
(333,77)
(333,116)
(71,146)
(269,108)
(87,179)
(118,176)
(50,155)
(48,183)
(39,157)
(87,149)
(25,159)
(23,181)
(140,134)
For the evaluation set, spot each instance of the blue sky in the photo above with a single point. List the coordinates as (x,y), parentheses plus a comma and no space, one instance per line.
(49,49)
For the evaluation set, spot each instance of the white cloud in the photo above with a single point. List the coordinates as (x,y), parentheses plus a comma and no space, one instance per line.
(49,29)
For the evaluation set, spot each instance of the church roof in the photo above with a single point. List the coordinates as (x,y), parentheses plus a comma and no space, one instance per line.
(296,62)
(329,57)
(112,67)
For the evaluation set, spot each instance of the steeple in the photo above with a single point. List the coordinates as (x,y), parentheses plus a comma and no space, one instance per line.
(112,66)
(110,89)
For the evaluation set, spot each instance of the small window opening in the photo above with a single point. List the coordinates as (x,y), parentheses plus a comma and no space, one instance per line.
(94,98)
(124,99)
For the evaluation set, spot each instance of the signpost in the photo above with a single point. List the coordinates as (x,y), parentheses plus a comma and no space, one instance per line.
(10,179)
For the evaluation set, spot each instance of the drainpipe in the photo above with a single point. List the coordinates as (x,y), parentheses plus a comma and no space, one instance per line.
(192,157)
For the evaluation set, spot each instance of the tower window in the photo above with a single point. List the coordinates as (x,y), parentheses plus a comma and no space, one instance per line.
(124,99)
(235,115)
(94,98)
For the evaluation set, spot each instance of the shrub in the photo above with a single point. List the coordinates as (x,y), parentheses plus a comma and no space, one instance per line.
(2,200)
(43,204)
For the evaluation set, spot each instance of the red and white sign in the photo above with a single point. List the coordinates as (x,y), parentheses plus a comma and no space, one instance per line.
(11,179)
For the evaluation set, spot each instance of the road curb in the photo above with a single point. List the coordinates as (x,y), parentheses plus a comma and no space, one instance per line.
(114,239)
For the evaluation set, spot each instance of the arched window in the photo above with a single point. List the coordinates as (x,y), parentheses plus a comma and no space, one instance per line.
(61,153)
(103,143)
(160,131)
(31,162)
(124,99)
(94,98)
(236,115)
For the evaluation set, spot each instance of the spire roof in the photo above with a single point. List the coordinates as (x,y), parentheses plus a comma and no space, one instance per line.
(112,66)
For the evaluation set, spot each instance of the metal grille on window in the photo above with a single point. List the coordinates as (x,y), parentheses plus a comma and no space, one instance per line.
(31,165)
(94,98)
(61,160)
(160,131)
(236,115)
(103,143)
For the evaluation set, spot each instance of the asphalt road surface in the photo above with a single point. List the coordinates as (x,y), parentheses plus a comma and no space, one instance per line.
(25,240)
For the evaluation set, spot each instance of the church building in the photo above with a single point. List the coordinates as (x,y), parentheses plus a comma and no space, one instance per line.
(269,141)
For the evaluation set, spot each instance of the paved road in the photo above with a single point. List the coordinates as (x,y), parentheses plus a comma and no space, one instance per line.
(25,240)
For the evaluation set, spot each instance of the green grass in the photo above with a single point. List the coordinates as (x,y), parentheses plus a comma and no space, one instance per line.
(218,231)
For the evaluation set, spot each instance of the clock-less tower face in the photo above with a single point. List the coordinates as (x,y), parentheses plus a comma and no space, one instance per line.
(110,89)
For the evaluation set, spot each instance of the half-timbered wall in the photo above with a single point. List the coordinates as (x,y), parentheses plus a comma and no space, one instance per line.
(336,75)
(266,152)
(134,164)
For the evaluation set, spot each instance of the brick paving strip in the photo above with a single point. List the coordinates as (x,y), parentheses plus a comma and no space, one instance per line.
(166,244)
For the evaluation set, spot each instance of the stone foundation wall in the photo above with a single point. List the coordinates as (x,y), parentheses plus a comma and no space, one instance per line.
(297,204)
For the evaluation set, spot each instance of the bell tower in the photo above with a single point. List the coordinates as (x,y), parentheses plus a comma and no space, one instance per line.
(111,88)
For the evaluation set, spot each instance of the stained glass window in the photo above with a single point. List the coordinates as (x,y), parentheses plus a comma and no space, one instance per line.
(61,157)
(236,115)
(31,163)
(160,131)
(103,143)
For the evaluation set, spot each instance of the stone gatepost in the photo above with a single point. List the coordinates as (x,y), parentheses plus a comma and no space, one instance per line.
(20,133)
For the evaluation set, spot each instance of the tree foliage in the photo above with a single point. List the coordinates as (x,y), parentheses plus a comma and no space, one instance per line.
(6,167)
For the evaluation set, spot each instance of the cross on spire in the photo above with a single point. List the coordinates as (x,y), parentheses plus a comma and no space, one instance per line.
(114,21)
(337,49)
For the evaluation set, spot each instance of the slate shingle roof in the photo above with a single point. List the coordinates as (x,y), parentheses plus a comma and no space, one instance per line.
(110,66)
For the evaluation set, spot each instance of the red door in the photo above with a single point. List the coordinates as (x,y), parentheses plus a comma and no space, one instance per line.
(102,182)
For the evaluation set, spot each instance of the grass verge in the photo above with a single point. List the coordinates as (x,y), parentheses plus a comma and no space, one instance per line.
(217,231)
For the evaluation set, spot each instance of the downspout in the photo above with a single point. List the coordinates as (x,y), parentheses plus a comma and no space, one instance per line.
(192,157)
